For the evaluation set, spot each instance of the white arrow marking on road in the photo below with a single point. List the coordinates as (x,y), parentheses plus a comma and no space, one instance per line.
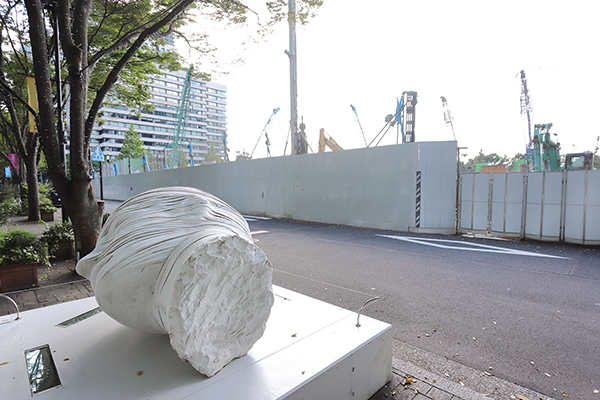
(476,246)
(254,217)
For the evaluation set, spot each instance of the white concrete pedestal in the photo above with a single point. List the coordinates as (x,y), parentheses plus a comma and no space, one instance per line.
(310,350)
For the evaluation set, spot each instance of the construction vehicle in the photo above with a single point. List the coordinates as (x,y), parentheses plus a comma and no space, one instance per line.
(579,161)
(326,140)
(546,152)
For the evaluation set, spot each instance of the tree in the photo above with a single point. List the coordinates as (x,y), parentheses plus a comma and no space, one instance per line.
(132,145)
(17,137)
(211,155)
(493,159)
(99,40)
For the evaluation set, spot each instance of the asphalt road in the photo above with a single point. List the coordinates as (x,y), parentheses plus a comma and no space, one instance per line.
(526,312)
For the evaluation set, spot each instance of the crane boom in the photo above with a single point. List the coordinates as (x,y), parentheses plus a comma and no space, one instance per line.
(448,121)
(267,140)
(359,124)
(527,110)
(183,111)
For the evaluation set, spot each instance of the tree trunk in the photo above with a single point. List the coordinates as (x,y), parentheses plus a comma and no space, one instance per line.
(33,195)
(86,215)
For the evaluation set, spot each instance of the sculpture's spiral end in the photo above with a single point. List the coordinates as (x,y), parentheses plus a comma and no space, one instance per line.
(222,298)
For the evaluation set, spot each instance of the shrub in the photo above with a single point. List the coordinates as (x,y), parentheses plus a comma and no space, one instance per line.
(19,246)
(60,231)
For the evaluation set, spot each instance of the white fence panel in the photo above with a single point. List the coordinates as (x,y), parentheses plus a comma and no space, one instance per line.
(481,199)
(498,212)
(552,206)
(514,204)
(533,216)
(592,213)
(574,208)
(466,201)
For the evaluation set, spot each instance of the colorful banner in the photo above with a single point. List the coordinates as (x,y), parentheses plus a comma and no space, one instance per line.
(33,102)
(14,160)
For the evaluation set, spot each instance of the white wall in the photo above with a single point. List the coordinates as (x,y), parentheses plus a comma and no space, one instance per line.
(371,187)
(549,206)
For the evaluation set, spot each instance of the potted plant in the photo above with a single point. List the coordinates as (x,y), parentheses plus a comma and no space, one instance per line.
(60,241)
(47,209)
(20,253)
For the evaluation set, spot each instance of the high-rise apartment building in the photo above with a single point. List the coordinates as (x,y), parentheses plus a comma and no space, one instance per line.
(206,125)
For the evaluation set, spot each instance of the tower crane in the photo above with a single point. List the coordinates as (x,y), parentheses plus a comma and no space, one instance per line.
(527,110)
(448,121)
(183,111)
(267,140)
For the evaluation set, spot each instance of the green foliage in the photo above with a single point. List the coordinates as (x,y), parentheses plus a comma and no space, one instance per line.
(59,232)
(492,159)
(46,205)
(8,208)
(10,202)
(211,155)
(19,246)
(132,145)
(305,9)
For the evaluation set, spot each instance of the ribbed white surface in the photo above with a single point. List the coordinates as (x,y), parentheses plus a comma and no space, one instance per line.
(180,261)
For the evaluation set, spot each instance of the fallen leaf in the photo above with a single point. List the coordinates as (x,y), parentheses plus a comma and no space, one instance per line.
(4,363)
(66,359)
(294,335)
(140,373)
(303,372)
(564,394)
(521,397)
(407,381)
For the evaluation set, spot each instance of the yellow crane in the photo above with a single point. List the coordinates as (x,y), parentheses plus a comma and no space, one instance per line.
(326,140)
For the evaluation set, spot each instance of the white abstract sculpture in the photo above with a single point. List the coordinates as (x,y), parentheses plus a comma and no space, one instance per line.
(180,261)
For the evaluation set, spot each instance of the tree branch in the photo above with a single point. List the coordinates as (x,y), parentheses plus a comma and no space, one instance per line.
(179,8)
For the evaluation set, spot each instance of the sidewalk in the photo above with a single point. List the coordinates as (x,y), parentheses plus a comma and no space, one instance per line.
(59,283)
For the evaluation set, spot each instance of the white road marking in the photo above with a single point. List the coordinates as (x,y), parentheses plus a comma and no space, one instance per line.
(258,232)
(253,217)
(476,246)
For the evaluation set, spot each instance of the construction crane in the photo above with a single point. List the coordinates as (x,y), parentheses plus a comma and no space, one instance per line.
(267,140)
(326,140)
(527,110)
(359,124)
(183,111)
(546,152)
(448,121)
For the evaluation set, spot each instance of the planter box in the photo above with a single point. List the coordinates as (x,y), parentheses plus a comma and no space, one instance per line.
(65,251)
(47,217)
(18,276)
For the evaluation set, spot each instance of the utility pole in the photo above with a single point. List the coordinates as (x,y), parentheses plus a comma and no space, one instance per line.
(293,79)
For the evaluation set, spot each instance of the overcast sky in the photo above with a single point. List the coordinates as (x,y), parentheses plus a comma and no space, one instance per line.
(368,53)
